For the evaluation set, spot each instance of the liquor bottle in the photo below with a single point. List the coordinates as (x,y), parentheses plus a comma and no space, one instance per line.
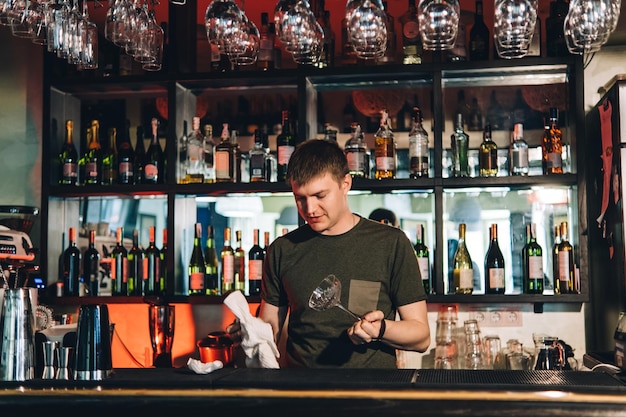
(240,264)
(266,241)
(153,166)
(552,145)
(265,60)
(227,256)
(532,263)
(357,153)
(90,163)
(385,149)
(237,162)
(459,145)
(390,52)
(91,265)
(195,154)
(209,150)
(479,36)
(163,272)
(68,157)
(71,266)
(119,267)
(458,52)
(327,58)
(197,265)
(488,155)
(494,265)
(256,157)
(152,266)
(566,264)
(140,156)
(256,255)
(555,36)
(135,267)
(109,159)
(125,158)
(285,144)
(181,152)
(418,147)
(224,156)
(411,40)
(423,258)
(555,259)
(212,286)
(534,48)
(463,269)
(519,151)
(475,117)
(271,163)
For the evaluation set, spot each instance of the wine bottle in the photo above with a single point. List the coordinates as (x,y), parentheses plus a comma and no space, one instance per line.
(285,144)
(423,258)
(266,241)
(153,166)
(227,256)
(240,264)
(565,284)
(119,267)
(385,149)
(256,256)
(163,272)
(555,258)
(197,265)
(212,266)
(237,161)
(265,60)
(209,151)
(135,267)
(357,153)
(140,156)
(90,163)
(181,153)
(109,159)
(195,154)
(494,265)
(152,266)
(459,146)
(488,155)
(91,265)
(479,36)
(552,145)
(532,263)
(556,45)
(411,40)
(463,268)
(125,157)
(71,266)
(418,147)
(68,157)
(224,157)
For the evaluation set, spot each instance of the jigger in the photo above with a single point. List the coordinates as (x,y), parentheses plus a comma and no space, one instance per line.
(49,359)
(63,371)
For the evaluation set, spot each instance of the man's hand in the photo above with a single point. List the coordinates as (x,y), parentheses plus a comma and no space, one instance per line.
(371,328)
(234,331)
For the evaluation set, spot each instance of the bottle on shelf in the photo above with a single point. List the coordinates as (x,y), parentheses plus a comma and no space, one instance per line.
(238,159)
(423,258)
(565,283)
(152,266)
(532,263)
(459,147)
(488,155)
(68,157)
(135,267)
(328,48)
(256,256)
(163,272)
(479,36)
(181,152)
(265,60)
(390,52)
(462,107)
(240,264)
(411,39)
(125,157)
(555,258)
(494,265)
(197,266)
(552,145)
(385,150)
(153,172)
(119,266)
(519,151)
(212,286)
(256,157)
(71,266)
(195,154)
(140,156)
(91,266)
(90,164)
(463,268)
(271,163)
(224,157)
(475,117)
(285,144)
(227,272)
(209,151)
(494,112)
(418,147)
(534,48)
(266,241)
(109,159)
(458,52)
(357,153)
(555,36)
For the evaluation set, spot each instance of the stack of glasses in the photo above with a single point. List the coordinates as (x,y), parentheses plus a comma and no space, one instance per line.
(474,352)
(446,351)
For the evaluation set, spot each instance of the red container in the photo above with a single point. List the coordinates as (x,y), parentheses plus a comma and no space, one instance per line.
(217,346)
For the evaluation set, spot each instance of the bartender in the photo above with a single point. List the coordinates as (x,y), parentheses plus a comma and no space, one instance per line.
(375,264)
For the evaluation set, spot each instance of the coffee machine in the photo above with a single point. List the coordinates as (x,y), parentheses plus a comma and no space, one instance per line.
(17,254)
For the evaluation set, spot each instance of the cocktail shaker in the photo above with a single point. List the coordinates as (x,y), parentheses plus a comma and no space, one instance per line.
(17,342)
(92,359)
(161,324)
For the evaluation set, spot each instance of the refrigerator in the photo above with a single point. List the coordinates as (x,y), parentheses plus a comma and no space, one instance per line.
(605,186)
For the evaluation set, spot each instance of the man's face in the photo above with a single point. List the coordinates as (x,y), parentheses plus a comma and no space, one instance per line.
(322,203)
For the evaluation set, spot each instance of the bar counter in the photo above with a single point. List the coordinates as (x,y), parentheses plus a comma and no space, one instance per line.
(305,392)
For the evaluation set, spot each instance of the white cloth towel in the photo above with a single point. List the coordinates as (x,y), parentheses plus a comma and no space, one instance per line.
(257,337)
(203,368)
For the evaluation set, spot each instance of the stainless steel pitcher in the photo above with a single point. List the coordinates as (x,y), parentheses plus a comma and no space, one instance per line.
(17,342)
(92,358)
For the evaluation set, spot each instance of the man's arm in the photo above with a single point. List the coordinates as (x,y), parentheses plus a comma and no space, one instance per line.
(273,315)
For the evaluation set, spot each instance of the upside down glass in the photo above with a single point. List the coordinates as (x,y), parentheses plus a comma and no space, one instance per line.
(367,27)
(438,23)
(514,24)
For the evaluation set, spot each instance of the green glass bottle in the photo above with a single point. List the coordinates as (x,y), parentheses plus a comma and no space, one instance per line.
(197,266)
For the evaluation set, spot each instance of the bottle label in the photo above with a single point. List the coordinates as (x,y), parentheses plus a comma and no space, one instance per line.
(555,160)
(151,172)
(126,170)
(70,170)
(255,269)
(257,167)
(284,154)
(385,163)
(496,278)
(196,281)
(424,266)
(535,267)
(520,159)
(411,31)
(222,164)
(466,278)
(564,270)
(356,161)
(91,170)
(228,266)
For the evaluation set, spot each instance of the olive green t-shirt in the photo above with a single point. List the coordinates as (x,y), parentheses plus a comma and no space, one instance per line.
(378,270)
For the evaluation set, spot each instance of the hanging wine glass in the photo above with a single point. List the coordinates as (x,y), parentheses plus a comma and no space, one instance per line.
(588,25)
(5,8)
(514,25)
(281,20)
(73,36)
(367,27)
(138,23)
(57,13)
(221,19)
(438,23)
(153,43)
(18,19)
(38,21)
(242,44)
(88,33)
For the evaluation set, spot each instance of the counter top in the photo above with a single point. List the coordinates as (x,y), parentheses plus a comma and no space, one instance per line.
(338,392)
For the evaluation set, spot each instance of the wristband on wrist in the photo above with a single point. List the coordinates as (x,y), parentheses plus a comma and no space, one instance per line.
(381,333)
